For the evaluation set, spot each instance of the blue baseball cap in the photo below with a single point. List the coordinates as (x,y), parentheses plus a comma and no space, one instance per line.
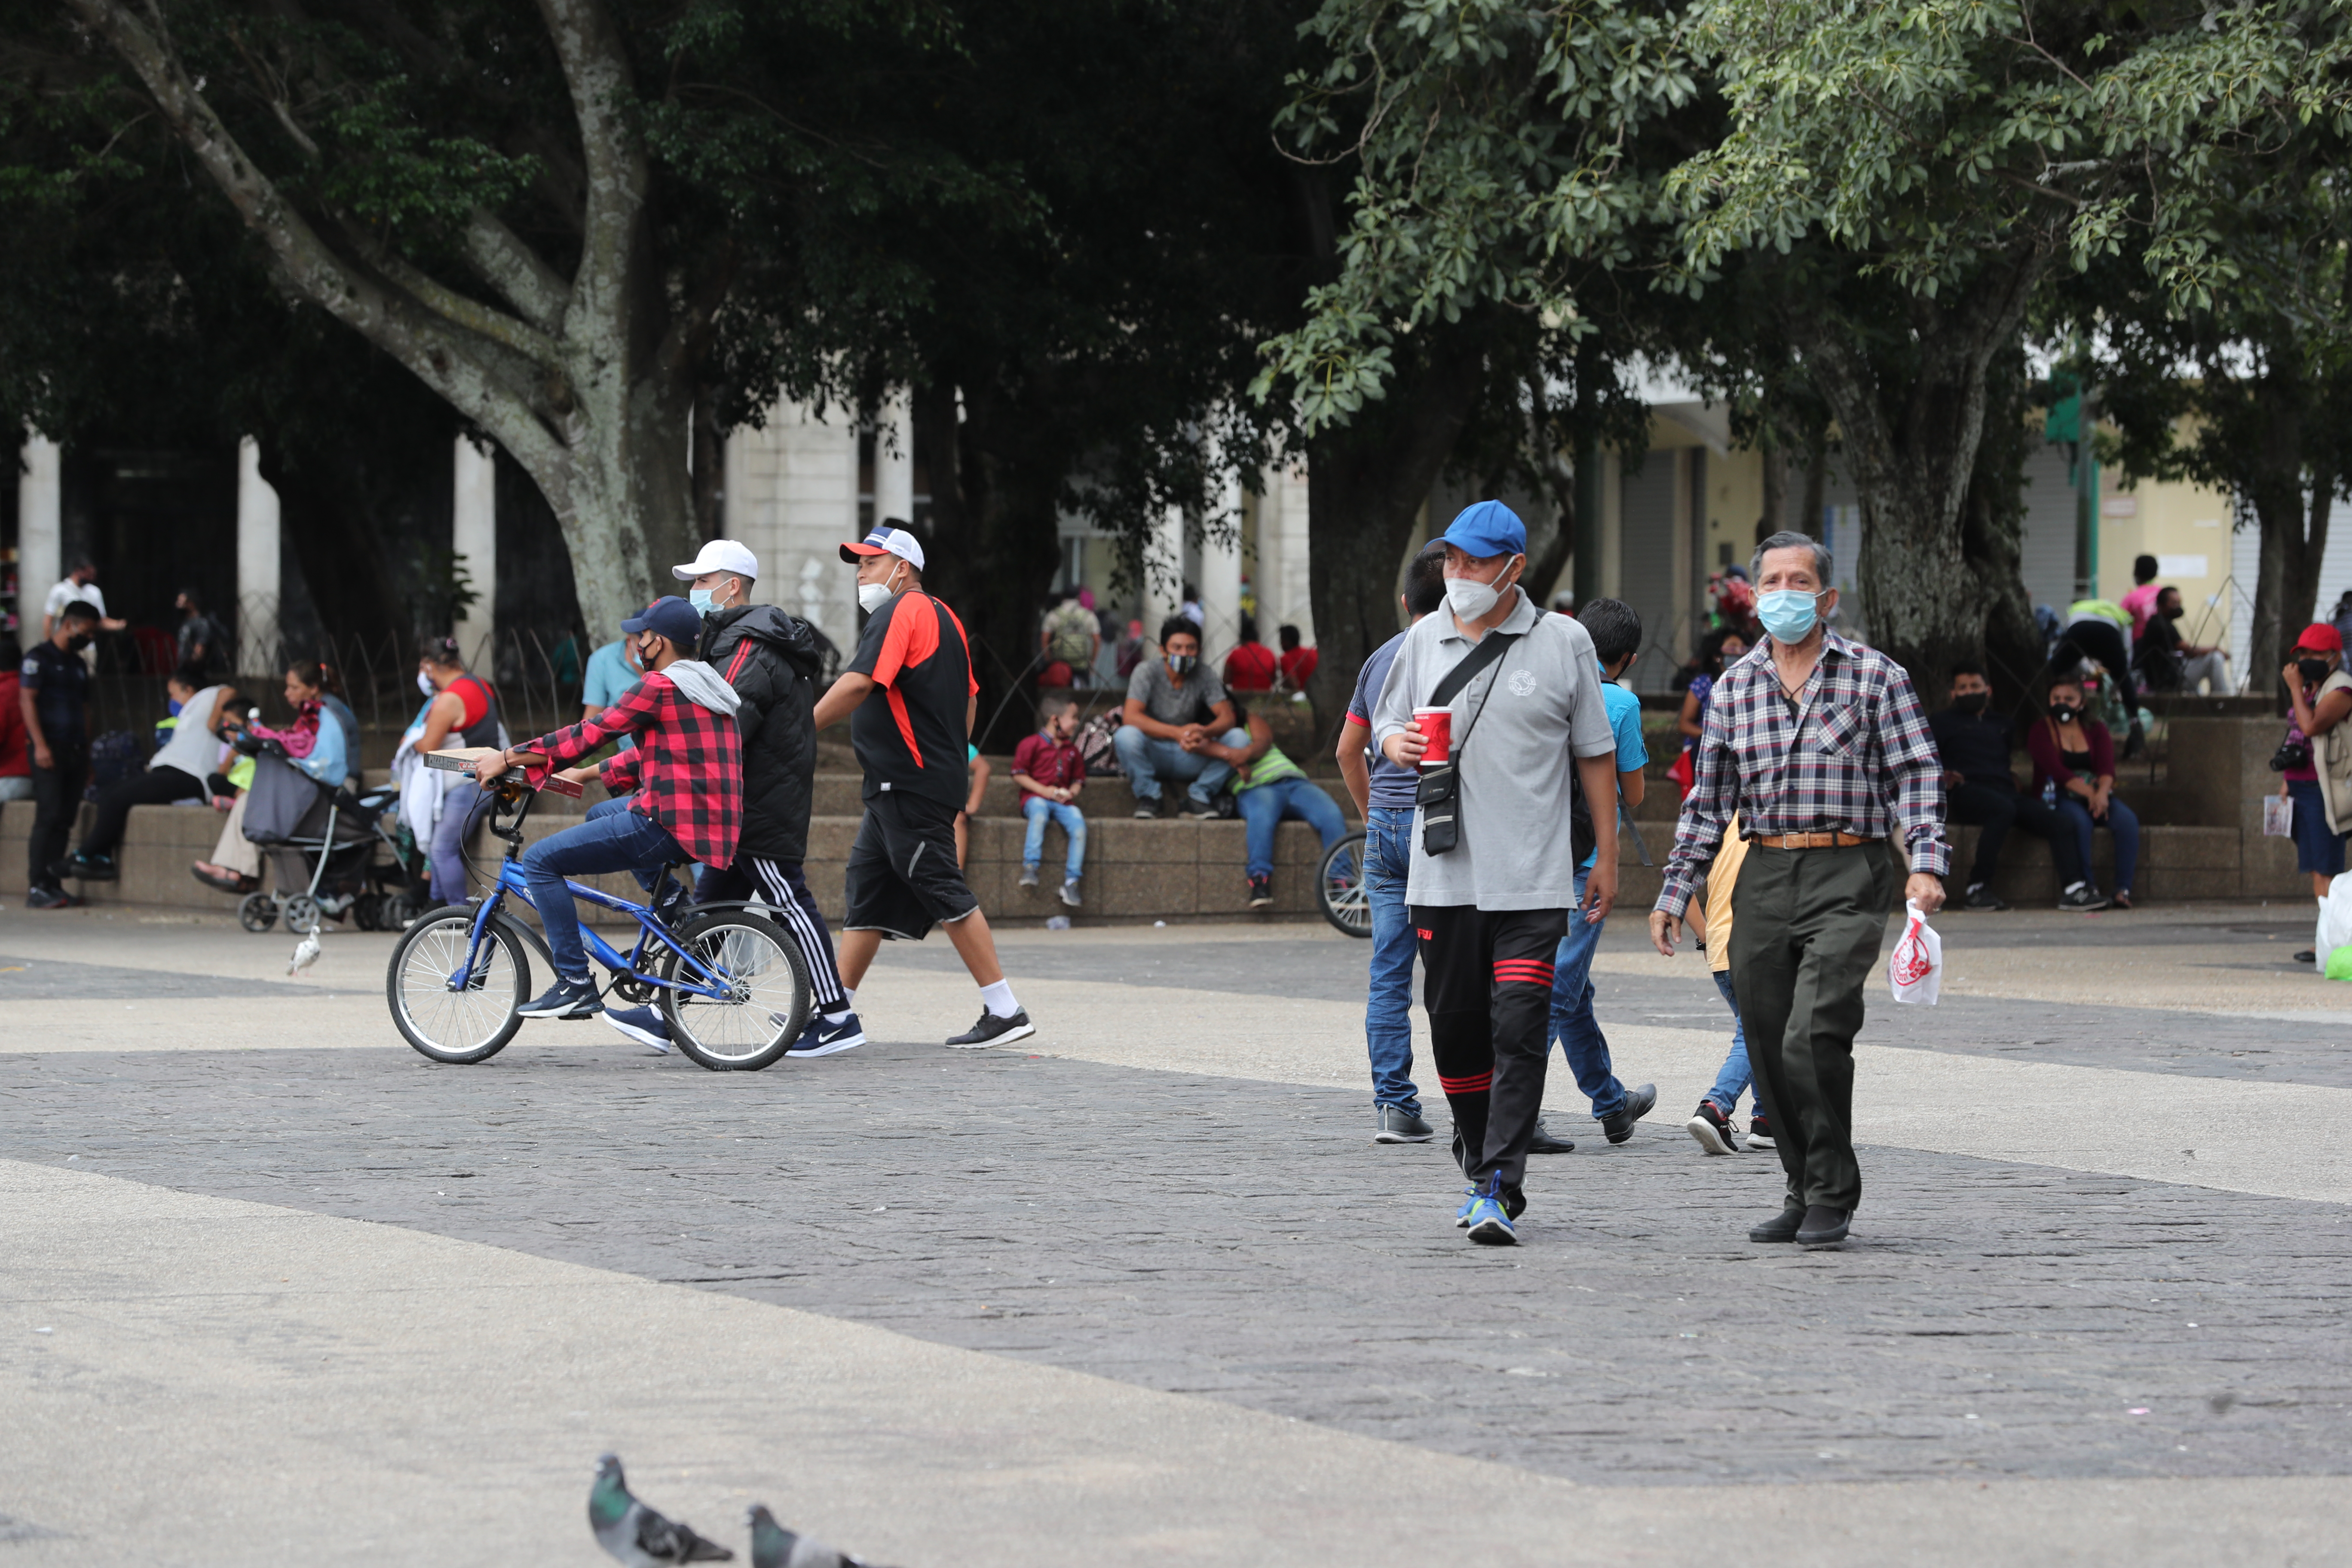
(1488,527)
(890,537)
(672,618)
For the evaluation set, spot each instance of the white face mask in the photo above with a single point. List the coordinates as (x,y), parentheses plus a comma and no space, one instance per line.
(872,597)
(1469,598)
(424,683)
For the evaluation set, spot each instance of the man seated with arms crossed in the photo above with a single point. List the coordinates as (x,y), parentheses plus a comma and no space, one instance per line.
(687,770)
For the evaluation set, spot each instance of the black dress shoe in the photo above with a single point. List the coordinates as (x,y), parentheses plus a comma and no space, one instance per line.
(1784,1228)
(1638,1102)
(1543,1142)
(1823,1226)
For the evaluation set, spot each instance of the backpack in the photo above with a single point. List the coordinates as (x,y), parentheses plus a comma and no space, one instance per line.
(1094,747)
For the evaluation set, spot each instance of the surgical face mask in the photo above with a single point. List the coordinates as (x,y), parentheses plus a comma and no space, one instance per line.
(872,597)
(703,600)
(2312,670)
(174,705)
(1180,665)
(1470,599)
(1972,702)
(1788,613)
(424,683)
(2063,711)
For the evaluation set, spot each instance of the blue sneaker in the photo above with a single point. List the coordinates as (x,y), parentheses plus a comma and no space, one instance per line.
(644,1024)
(1469,1202)
(1488,1224)
(823,1039)
(564,999)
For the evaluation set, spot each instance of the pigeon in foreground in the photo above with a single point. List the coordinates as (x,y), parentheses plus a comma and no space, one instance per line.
(774,1546)
(632,1533)
(306,954)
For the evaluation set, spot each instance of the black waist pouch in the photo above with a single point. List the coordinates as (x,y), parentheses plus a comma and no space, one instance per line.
(1440,800)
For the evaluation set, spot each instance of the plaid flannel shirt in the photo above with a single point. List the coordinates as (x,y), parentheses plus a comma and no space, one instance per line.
(687,766)
(1855,757)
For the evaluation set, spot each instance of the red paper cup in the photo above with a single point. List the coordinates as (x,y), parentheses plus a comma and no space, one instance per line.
(1437,731)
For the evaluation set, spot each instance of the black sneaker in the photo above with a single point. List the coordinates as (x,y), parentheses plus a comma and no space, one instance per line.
(1028,876)
(1261,891)
(1398,1125)
(1147,811)
(92,868)
(50,898)
(1638,1102)
(1195,809)
(1543,1142)
(1070,892)
(2308,955)
(1759,1131)
(1711,1128)
(2082,896)
(564,999)
(668,899)
(1981,897)
(993,1030)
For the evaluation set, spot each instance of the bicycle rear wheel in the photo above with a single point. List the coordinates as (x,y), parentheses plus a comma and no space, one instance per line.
(1339,887)
(768,993)
(456,1024)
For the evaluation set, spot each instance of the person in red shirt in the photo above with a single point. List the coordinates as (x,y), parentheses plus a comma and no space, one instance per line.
(910,696)
(16,740)
(1298,663)
(685,774)
(1251,666)
(1049,772)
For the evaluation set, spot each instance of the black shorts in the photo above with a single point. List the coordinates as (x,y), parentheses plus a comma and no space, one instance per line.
(903,875)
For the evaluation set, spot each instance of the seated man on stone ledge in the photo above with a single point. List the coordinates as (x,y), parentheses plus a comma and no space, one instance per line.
(1175,706)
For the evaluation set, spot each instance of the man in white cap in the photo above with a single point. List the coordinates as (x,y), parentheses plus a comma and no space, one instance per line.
(910,698)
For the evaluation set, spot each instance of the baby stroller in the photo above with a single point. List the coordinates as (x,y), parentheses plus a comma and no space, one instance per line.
(319,839)
(400,888)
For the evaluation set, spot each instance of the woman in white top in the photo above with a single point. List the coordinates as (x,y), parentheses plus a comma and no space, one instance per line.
(178,773)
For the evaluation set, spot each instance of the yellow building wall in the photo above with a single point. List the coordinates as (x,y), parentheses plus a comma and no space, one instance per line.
(2187,528)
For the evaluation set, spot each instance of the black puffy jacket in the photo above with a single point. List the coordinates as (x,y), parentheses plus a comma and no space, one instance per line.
(772,660)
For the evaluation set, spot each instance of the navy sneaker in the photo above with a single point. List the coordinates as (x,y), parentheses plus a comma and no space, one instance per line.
(1486,1220)
(644,1024)
(564,999)
(50,898)
(88,867)
(823,1039)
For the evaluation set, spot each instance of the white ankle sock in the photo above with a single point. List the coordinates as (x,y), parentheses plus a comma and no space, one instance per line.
(999,998)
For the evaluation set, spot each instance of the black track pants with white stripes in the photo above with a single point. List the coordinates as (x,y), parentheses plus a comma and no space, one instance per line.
(779,885)
(1487,990)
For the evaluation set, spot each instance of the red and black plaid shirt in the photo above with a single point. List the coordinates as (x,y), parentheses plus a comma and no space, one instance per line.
(687,766)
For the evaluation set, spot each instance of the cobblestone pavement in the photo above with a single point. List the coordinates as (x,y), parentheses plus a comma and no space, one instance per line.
(1242,1241)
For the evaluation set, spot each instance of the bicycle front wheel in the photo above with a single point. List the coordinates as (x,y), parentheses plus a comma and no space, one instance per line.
(469,1022)
(1339,887)
(763,996)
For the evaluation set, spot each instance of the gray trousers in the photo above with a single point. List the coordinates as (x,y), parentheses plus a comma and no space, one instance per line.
(1805,932)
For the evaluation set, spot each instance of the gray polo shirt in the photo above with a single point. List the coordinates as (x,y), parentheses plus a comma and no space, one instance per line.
(1170,704)
(1538,707)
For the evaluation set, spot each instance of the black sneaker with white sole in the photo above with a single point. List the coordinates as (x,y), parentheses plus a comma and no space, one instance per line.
(1146,810)
(2083,898)
(1759,1131)
(564,999)
(993,1030)
(1981,897)
(1711,1128)
(1398,1125)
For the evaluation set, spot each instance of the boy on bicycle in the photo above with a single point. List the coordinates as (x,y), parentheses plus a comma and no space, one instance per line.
(687,768)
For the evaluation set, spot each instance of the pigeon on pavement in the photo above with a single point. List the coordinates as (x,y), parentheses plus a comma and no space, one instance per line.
(306,954)
(634,1534)
(774,1546)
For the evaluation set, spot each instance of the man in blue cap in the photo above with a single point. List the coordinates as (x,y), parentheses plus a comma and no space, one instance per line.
(1502,829)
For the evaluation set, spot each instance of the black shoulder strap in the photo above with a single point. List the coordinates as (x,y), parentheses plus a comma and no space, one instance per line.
(1495,645)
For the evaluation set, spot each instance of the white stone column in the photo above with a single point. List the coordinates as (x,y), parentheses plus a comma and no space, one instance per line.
(473,537)
(39,532)
(1220,573)
(256,563)
(894,457)
(1285,594)
(1164,562)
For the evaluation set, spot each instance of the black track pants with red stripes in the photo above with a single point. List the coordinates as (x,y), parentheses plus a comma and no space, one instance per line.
(1487,992)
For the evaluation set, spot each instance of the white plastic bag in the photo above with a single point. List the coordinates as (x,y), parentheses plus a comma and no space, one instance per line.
(2278,816)
(1915,970)
(2335,928)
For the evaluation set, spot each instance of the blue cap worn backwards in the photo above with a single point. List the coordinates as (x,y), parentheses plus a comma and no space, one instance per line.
(1488,528)
(672,618)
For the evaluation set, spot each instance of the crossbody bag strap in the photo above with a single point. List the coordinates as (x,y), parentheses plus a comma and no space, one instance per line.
(1486,653)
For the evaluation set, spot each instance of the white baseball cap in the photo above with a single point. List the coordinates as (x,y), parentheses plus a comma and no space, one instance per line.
(719,555)
(890,538)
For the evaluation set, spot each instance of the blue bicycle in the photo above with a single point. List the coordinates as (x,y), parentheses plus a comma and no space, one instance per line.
(730,981)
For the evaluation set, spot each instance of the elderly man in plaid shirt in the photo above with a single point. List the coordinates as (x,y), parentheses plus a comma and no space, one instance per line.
(687,768)
(1818,743)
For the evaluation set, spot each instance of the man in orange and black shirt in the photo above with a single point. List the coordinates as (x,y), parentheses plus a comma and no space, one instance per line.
(909,696)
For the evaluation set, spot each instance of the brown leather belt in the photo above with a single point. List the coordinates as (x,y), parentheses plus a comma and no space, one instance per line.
(1811,840)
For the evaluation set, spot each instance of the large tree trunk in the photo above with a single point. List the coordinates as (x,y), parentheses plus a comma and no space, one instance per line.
(1910,439)
(585,382)
(1365,487)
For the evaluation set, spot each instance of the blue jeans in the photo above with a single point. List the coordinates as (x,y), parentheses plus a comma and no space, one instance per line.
(1037,808)
(1146,761)
(1388,1009)
(2121,822)
(613,839)
(1572,1023)
(1264,808)
(1735,1076)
